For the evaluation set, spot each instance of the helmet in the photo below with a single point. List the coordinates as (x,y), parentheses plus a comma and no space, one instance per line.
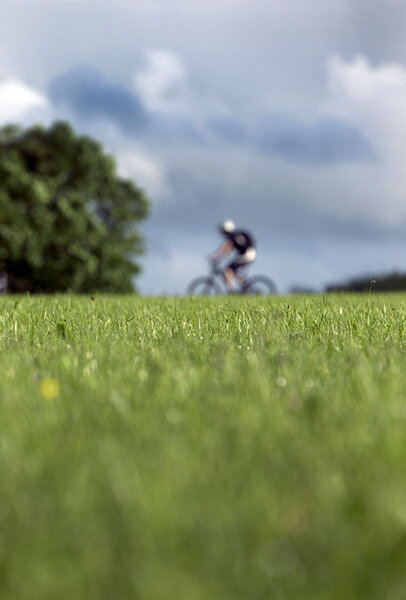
(227,227)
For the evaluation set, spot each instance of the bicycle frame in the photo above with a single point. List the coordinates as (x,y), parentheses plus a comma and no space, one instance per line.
(217,271)
(216,282)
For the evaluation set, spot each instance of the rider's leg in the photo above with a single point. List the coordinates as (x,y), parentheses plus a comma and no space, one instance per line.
(241,278)
(240,265)
(230,279)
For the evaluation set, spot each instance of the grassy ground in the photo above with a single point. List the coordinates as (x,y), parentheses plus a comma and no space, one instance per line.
(203,449)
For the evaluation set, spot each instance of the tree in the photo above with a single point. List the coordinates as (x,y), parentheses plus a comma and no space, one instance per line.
(67,220)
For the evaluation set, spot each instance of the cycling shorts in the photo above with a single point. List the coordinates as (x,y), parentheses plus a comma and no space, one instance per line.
(243,260)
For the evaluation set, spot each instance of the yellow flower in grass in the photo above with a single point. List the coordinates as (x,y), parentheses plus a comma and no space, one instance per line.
(50,388)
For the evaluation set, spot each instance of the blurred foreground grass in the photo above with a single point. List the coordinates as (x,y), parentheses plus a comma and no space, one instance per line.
(203,449)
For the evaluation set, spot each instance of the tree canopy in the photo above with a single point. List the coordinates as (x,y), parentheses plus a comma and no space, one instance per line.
(68,221)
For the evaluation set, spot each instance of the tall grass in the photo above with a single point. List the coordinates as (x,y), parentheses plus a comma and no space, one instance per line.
(203,448)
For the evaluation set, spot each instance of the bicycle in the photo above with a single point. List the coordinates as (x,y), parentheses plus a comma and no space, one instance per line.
(214,284)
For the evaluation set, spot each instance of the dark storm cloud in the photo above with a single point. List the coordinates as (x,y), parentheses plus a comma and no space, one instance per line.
(89,94)
(86,91)
(325,141)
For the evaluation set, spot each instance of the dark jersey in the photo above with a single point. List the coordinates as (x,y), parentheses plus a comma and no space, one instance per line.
(241,240)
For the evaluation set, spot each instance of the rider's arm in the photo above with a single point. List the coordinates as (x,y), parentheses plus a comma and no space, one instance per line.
(223,250)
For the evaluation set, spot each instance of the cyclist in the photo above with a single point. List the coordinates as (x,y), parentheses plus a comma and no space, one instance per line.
(244,246)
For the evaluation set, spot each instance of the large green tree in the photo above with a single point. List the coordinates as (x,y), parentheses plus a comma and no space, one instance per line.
(67,220)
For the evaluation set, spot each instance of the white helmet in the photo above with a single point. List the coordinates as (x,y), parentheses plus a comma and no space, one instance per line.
(227,227)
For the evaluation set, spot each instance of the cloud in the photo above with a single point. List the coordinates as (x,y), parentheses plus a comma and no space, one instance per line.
(166,110)
(229,129)
(85,91)
(147,172)
(179,114)
(159,83)
(374,97)
(18,100)
(323,141)
(89,94)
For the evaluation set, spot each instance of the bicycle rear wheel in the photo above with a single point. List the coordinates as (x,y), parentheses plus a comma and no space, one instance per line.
(204,286)
(260,286)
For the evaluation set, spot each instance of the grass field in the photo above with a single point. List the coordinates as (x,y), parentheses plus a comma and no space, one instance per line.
(190,449)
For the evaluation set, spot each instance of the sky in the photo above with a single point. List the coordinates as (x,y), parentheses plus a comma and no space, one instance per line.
(287,116)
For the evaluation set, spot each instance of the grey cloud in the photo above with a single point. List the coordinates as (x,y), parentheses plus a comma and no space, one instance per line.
(380,28)
(229,129)
(279,54)
(175,128)
(89,94)
(85,91)
(325,141)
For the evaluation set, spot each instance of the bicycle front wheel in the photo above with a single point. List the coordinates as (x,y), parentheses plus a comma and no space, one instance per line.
(261,286)
(204,286)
